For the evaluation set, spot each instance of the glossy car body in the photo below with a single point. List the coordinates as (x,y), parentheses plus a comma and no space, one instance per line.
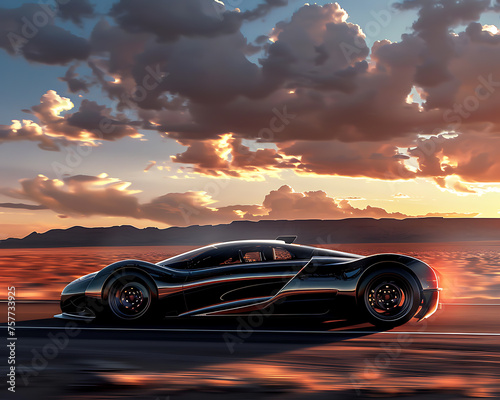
(242,277)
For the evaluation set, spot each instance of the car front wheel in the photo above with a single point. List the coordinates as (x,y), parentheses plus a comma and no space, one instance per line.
(129,297)
(390,297)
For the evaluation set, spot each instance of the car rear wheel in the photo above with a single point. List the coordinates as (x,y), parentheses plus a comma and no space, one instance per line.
(129,297)
(390,297)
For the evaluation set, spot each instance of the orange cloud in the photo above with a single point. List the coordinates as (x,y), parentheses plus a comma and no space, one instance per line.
(27,130)
(229,156)
(83,196)
(90,124)
(362,159)
(472,157)
(149,166)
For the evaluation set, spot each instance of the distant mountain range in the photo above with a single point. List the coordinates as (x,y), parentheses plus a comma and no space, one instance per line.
(354,230)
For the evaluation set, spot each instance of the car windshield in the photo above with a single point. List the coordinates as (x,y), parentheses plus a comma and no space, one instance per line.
(180,261)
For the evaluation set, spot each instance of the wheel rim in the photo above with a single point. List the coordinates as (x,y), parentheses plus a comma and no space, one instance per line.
(389,298)
(130,300)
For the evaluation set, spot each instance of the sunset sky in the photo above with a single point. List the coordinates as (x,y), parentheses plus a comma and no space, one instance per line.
(181,112)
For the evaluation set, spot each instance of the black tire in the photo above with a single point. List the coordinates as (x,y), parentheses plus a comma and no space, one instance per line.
(389,297)
(129,297)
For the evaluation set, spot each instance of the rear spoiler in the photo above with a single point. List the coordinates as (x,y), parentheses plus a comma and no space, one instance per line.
(287,238)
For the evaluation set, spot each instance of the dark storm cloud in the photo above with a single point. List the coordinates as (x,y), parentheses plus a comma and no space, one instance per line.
(147,70)
(118,46)
(30,31)
(221,72)
(305,74)
(262,9)
(328,103)
(435,18)
(359,126)
(75,84)
(310,50)
(76,10)
(175,18)
(90,117)
(477,34)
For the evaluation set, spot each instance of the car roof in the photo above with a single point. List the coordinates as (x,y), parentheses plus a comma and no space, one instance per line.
(250,242)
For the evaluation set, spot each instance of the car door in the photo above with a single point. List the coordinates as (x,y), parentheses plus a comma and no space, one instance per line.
(239,272)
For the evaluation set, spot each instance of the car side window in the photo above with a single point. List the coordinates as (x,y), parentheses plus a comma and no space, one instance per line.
(252,256)
(248,254)
(235,259)
(215,258)
(279,254)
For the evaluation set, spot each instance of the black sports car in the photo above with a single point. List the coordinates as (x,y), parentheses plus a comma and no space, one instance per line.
(248,276)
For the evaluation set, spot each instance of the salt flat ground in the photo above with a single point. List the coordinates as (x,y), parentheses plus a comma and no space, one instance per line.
(454,354)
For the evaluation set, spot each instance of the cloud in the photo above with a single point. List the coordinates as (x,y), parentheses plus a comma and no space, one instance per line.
(207,156)
(285,203)
(221,73)
(149,166)
(75,84)
(472,157)
(351,123)
(147,70)
(229,156)
(483,33)
(361,159)
(169,21)
(84,196)
(117,47)
(460,187)
(322,101)
(330,90)
(452,215)
(98,121)
(27,130)
(304,73)
(312,50)
(188,18)
(92,122)
(80,195)
(435,18)
(316,71)
(262,9)
(23,206)
(76,10)
(29,30)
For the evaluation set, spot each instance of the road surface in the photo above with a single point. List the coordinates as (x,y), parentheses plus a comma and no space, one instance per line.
(454,354)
